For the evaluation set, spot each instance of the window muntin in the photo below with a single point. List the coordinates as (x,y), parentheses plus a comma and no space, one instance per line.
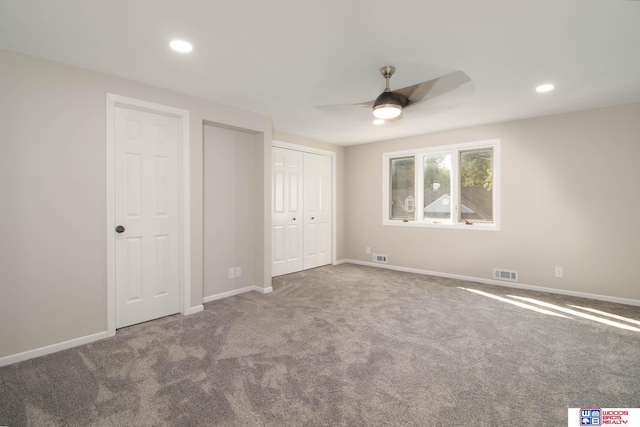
(402,188)
(456,186)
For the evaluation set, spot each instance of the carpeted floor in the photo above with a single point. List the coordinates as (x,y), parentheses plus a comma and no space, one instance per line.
(339,346)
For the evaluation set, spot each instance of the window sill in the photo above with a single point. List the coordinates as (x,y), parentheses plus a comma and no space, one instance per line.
(478,226)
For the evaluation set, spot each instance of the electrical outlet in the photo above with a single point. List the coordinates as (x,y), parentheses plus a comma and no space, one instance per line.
(232,273)
(559,272)
(238,271)
(368,249)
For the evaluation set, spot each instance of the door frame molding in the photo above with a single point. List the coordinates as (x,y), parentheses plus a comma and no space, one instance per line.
(332,155)
(114,101)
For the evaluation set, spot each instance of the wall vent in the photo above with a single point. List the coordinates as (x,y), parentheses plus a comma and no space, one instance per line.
(500,274)
(380,258)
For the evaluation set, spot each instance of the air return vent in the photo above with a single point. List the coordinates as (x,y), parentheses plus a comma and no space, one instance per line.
(501,274)
(380,258)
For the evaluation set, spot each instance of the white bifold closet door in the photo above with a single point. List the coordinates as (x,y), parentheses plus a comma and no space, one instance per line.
(301,210)
(287,214)
(317,210)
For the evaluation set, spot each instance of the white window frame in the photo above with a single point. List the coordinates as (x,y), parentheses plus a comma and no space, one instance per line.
(454,150)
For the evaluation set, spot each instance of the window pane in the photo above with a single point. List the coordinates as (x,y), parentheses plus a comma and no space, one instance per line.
(437,187)
(476,185)
(402,188)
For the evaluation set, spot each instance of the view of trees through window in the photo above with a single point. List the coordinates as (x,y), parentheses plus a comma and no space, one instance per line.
(402,187)
(476,184)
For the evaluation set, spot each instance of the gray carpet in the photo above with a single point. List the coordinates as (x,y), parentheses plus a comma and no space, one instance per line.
(338,346)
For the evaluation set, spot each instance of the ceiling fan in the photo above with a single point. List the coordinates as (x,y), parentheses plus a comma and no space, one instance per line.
(390,104)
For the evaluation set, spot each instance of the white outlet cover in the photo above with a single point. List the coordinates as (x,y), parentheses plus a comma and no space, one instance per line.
(232,273)
(238,271)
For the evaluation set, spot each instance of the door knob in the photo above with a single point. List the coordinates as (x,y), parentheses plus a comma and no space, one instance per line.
(120,229)
(293,219)
(313,217)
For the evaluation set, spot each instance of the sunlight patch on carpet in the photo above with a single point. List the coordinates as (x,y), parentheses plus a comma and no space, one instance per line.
(516,303)
(604,313)
(577,313)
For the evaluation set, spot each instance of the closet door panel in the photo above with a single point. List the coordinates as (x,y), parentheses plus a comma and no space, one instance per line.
(287,191)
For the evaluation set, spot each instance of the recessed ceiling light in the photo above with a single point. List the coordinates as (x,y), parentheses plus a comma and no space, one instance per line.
(378,122)
(181,46)
(545,88)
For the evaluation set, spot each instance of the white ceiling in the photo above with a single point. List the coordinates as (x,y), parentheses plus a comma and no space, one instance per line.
(286,58)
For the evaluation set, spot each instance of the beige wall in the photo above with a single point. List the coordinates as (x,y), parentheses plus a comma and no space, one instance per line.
(53,196)
(569,198)
(340,181)
(232,209)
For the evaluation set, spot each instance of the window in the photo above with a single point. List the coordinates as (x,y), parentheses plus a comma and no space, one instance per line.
(437,187)
(402,188)
(453,186)
(476,185)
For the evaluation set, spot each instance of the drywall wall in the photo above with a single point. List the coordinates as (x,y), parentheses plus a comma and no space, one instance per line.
(569,199)
(232,210)
(53,193)
(340,180)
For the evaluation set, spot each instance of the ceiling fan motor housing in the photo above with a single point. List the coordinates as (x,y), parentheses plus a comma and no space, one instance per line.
(391,98)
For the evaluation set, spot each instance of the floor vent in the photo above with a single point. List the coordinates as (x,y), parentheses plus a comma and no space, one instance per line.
(380,258)
(501,274)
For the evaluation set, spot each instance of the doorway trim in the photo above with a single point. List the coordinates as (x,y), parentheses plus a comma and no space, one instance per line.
(114,101)
(332,155)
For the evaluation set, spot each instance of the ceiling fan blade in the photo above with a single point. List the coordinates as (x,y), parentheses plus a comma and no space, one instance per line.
(368,104)
(342,107)
(435,87)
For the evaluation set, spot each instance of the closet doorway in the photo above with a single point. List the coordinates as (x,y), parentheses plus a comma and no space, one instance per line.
(302,209)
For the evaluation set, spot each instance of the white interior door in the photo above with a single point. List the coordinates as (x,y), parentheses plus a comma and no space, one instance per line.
(147,207)
(287,214)
(317,210)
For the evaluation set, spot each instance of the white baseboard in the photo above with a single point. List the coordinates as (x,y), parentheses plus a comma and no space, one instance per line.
(607,298)
(237,292)
(30,354)
(193,310)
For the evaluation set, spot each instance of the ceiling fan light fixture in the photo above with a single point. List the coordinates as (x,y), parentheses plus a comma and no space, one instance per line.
(387,111)
(388,105)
